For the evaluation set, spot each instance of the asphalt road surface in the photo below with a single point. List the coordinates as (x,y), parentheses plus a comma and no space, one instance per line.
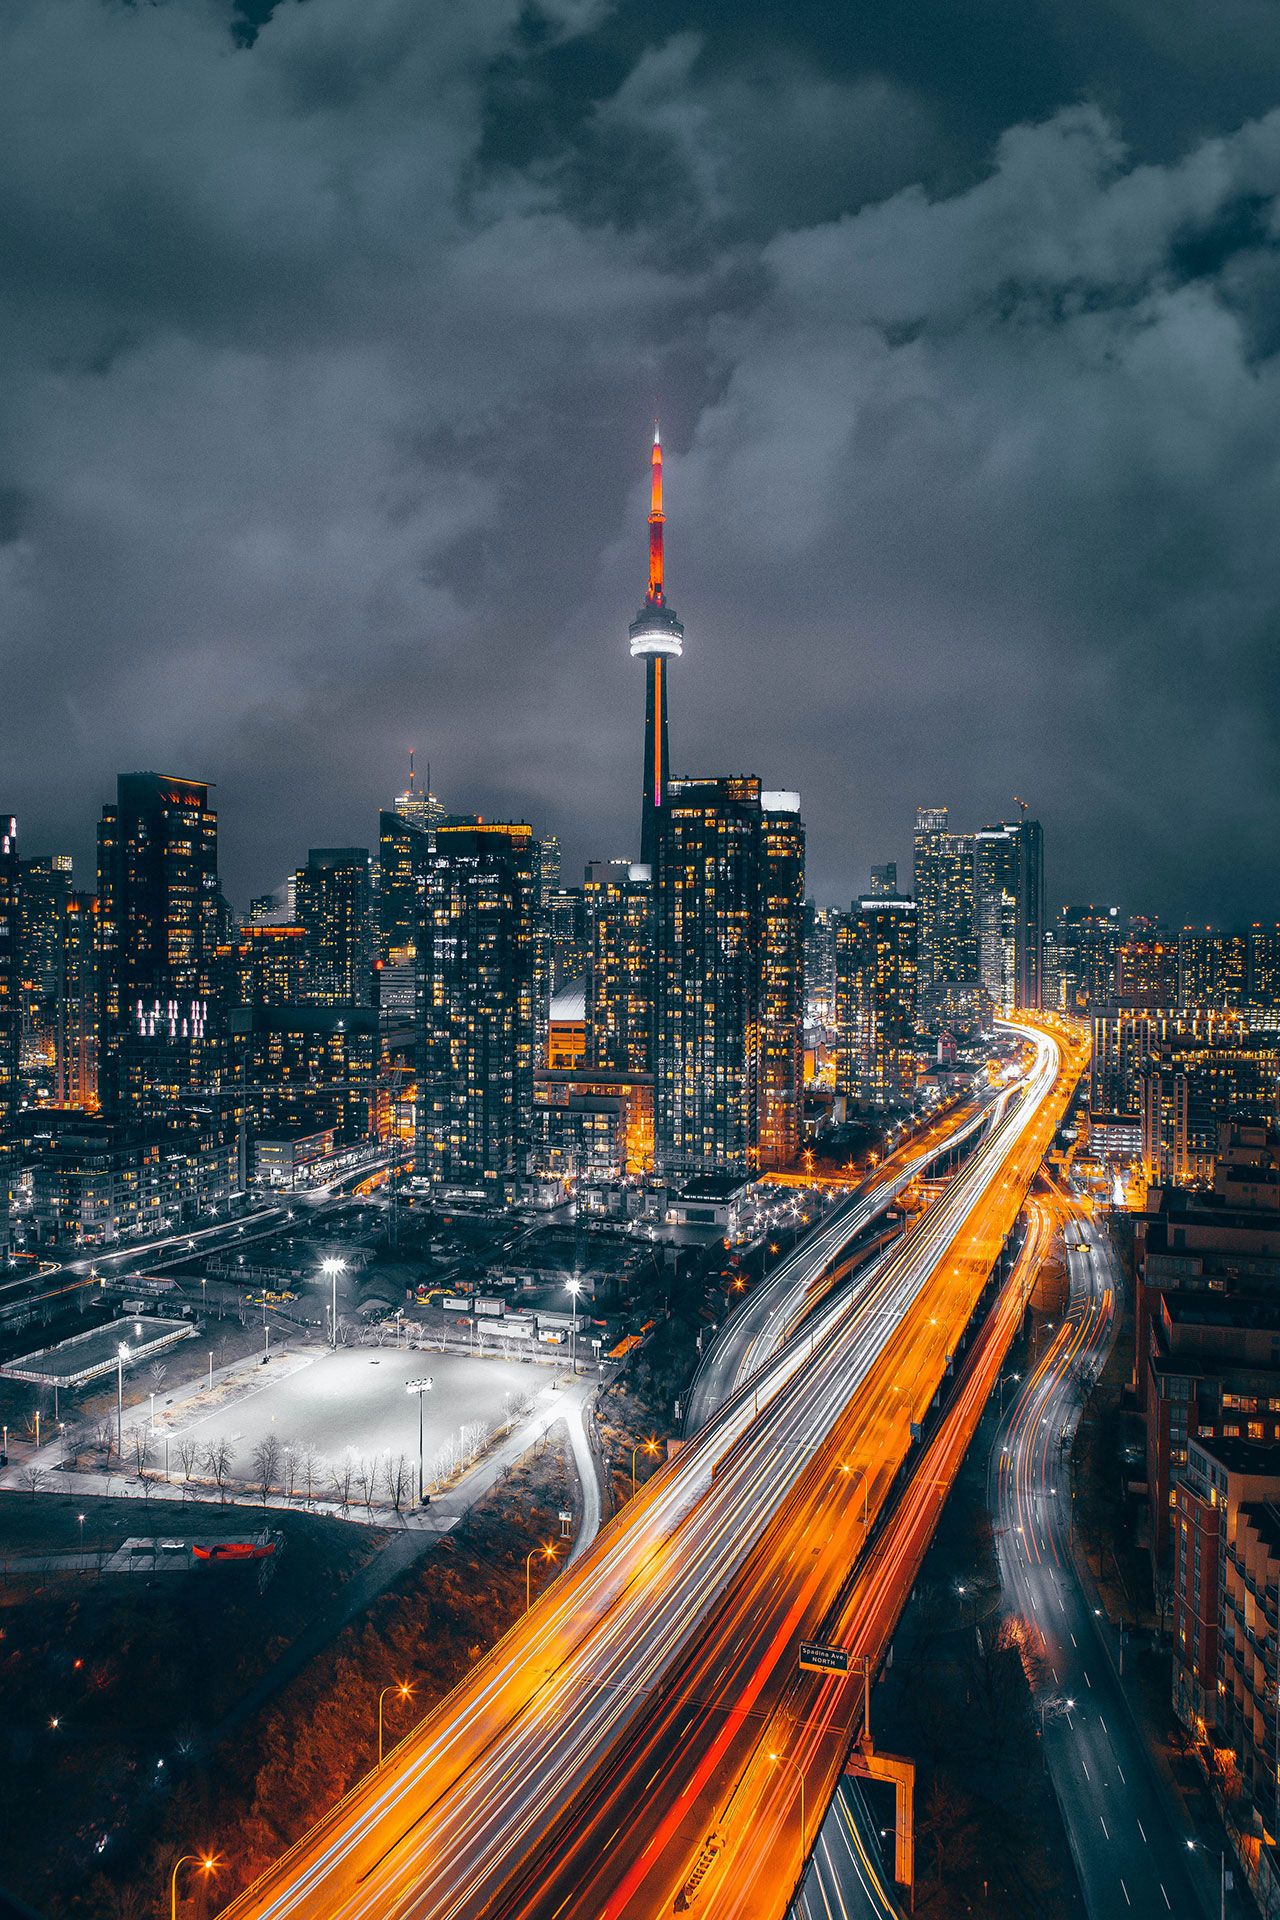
(726,1554)
(1132,1862)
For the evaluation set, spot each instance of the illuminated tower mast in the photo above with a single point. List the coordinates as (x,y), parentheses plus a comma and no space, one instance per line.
(656,637)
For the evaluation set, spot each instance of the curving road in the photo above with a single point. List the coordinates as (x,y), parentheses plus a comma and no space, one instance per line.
(530,1789)
(1132,1863)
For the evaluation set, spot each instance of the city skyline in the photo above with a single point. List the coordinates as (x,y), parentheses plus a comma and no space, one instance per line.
(1005,512)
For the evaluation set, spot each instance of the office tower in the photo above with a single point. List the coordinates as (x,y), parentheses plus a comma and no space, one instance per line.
(721,875)
(926,882)
(76,1033)
(548,868)
(10,1010)
(657,637)
(159,913)
(404,857)
(307,1070)
(782,988)
(943,881)
(1080,959)
(876,994)
(995,895)
(618,898)
(44,888)
(418,805)
(1194,1077)
(884,881)
(819,964)
(1008,894)
(335,909)
(1146,969)
(566,916)
(1029,949)
(270,964)
(476,1016)
(1264,966)
(1213,968)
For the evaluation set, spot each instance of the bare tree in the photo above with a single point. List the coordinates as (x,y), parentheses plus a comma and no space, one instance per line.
(33,1478)
(290,1476)
(397,1478)
(140,1449)
(341,1474)
(157,1370)
(104,1433)
(266,1465)
(217,1458)
(368,1474)
(189,1452)
(311,1466)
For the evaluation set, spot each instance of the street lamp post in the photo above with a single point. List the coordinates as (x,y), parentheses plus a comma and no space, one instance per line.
(122,1353)
(420,1387)
(781,1759)
(405,1691)
(649,1446)
(206,1862)
(548,1552)
(866,1493)
(575,1288)
(333,1267)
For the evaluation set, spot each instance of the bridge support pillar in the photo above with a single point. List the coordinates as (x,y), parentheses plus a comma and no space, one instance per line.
(867,1764)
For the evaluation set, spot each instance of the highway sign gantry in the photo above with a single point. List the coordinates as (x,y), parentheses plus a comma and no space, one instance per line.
(817,1658)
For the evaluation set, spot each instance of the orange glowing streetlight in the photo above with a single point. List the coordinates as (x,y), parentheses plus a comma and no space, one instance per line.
(548,1552)
(402,1691)
(207,1862)
(650,1447)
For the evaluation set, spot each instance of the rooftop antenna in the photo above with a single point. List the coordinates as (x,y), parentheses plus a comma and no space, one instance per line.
(1020,803)
(411,769)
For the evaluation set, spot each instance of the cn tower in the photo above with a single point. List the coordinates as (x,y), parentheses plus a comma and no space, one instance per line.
(656,637)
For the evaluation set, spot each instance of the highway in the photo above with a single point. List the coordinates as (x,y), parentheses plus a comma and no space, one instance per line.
(534,1788)
(1132,1863)
(756,1329)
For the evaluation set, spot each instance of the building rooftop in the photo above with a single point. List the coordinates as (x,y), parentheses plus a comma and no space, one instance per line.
(1259,1459)
(569,1006)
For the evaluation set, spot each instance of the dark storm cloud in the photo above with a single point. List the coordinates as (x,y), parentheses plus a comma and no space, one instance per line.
(330,349)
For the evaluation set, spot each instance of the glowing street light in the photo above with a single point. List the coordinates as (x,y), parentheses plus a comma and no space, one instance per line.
(650,1447)
(548,1552)
(333,1267)
(207,1863)
(403,1691)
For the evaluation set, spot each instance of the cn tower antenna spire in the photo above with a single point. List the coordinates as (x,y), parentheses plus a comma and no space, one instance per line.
(654,595)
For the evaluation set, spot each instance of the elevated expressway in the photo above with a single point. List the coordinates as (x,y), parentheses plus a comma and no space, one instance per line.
(580,1767)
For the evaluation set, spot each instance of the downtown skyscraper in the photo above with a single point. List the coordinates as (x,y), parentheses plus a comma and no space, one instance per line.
(476,1018)
(729,971)
(981,912)
(159,922)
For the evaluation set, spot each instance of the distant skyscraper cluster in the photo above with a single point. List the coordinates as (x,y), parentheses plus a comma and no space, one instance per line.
(446,991)
(449,994)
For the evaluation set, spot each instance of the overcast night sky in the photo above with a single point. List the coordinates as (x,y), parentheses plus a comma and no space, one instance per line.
(332,335)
